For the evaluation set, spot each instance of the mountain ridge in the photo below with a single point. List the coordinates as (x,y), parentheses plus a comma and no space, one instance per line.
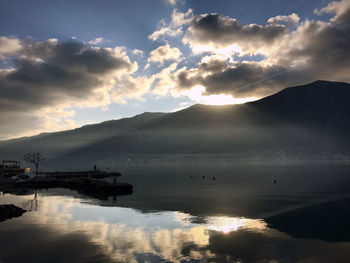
(251,117)
(310,118)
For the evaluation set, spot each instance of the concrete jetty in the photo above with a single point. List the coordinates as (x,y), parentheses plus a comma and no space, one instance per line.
(90,182)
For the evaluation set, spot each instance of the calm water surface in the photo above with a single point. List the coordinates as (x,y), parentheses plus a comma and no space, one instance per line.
(181,214)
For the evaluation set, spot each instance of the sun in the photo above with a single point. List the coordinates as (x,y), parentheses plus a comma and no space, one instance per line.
(196,94)
(224,99)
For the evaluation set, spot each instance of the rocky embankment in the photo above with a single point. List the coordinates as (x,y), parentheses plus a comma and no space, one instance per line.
(10,211)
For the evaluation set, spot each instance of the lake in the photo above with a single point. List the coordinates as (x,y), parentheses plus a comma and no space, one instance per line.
(192,213)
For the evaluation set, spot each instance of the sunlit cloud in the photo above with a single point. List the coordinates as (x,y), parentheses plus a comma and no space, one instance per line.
(165,53)
(211,32)
(292,52)
(227,51)
(173,2)
(131,88)
(96,41)
(9,46)
(175,27)
(137,52)
(290,20)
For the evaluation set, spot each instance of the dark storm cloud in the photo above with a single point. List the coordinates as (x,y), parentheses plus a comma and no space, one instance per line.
(54,74)
(219,31)
(325,49)
(314,50)
(241,80)
(49,71)
(214,65)
(39,83)
(244,79)
(76,56)
(186,81)
(225,29)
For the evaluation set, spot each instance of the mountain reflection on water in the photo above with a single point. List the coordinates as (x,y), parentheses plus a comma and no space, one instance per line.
(161,221)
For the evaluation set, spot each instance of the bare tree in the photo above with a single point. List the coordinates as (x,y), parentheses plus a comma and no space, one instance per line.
(35,158)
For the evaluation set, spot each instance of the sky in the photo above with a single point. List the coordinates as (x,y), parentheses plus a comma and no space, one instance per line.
(64,64)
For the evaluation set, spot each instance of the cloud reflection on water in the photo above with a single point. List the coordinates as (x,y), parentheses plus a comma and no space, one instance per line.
(126,235)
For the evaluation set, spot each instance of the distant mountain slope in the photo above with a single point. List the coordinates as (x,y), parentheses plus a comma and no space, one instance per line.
(313,117)
(61,142)
(321,103)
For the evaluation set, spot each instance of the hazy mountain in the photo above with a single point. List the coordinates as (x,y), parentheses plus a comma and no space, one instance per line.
(302,120)
(313,118)
(58,143)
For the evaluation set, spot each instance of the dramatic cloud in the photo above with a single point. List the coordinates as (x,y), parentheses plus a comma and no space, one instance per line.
(131,88)
(173,32)
(179,19)
(175,28)
(215,76)
(211,32)
(290,20)
(51,77)
(292,53)
(341,10)
(164,53)
(165,81)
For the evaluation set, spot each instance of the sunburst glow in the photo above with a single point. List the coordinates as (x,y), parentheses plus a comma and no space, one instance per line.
(227,224)
(196,94)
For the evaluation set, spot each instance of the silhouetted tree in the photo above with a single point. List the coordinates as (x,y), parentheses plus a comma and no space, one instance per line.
(35,158)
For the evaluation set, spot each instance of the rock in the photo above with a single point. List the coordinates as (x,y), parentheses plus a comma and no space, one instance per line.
(10,211)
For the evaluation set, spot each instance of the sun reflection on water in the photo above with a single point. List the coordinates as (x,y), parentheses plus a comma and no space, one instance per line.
(229,224)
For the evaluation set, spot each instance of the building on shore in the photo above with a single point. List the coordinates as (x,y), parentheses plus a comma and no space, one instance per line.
(10,168)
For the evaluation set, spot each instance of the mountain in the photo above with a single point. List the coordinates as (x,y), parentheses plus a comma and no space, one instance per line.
(58,143)
(313,118)
(299,121)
